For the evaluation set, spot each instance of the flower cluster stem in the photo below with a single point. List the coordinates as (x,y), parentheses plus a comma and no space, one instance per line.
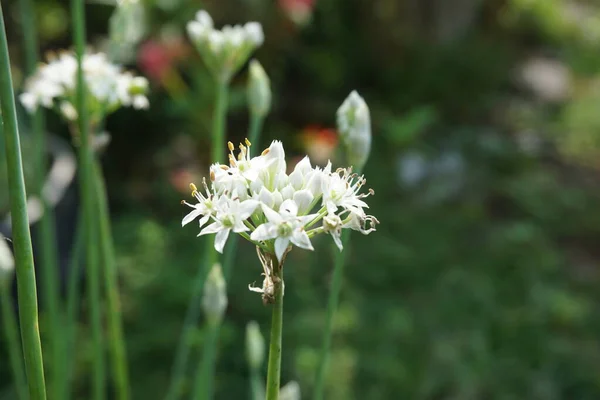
(256,124)
(274,367)
(11,330)
(87,193)
(115,325)
(25,271)
(332,306)
(219,122)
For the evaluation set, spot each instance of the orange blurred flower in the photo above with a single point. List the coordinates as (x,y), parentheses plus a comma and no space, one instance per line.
(319,143)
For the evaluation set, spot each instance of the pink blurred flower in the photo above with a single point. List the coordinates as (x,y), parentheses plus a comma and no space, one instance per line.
(299,11)
(157,58)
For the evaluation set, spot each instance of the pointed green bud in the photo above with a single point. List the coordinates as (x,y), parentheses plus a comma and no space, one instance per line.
(7,262)
(259,90)
(214,301)
(255,345)
(354,126)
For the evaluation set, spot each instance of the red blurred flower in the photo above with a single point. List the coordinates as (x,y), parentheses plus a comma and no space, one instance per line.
(299,11)
(320,143)
(157,58)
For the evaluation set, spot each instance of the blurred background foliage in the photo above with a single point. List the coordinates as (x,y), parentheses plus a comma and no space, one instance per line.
(482,280)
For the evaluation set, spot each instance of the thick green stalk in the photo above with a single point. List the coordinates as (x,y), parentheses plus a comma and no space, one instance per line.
(219,122)
(274,368)
(332,306)
(11,330)
(87,193)
(206,371)
(25,270)
(115,325)
(47,224)
(256,124)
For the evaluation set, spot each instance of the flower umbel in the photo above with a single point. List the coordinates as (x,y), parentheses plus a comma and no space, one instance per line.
(256,198)
(224,51)
(108,86)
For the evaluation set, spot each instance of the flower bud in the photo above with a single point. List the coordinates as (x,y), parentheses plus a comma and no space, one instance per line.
(255,345)
(259,90)
(290,391)
(7,262)
(214,301)
(354,126)
(127,26)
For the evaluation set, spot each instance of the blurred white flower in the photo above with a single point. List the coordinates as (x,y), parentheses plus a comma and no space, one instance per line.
(259,90)
(255,345)
(7,262)
(214,300)
(354,126)
(108,86)
(224,51)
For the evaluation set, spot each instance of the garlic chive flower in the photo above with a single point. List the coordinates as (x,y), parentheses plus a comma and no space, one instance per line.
(354,126)
(256,198)
(108,86)
(224,51)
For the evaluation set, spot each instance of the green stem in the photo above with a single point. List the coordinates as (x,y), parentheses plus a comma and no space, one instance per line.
(190,322)
(256,124)
(206,371)
(87,193)
(274,368)
(73,303)
(115,325)
(47,224)
(257,389)
(219,122)
(25,270)
(332,306)
(11,329)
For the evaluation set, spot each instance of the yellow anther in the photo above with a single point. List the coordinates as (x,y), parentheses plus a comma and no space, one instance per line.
(193,188)
(212,176)
(230,145)
(265,152)
(224,167)
(183,202)
(247,142)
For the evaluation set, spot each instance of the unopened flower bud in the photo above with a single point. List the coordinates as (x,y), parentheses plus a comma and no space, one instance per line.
(127,26)
(214,301)
(7,262)
(259,90)
(255,345)
(290,391)
(354,126)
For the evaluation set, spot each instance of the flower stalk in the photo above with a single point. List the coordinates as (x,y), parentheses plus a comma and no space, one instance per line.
(87,193)
(274,366)
(25,271)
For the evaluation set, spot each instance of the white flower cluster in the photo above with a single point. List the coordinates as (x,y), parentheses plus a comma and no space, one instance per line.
(226,50)
(109,87)
(256,198)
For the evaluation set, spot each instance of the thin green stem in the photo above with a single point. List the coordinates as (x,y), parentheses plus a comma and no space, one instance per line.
(219,123)
(332,306)
(115,325)
(190,322)
(274,368)
(257,388)
(73,296)
(256,124)
(11,330)
(87,193)
(25,270)
(206,371)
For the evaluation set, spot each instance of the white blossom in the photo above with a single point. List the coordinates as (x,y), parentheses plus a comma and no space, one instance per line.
(226,50)
(256,198)
(107,85)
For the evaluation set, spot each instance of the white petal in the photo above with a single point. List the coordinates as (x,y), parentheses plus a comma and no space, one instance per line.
(240,227)
(190,217)
(288,207)
(204,220)
(271,215)
(287,192)
(264,232)
(281,245)
(301,239)
(266,197)
(337,240)
(247,207)
(212,228)
(303,199)
(220,239)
